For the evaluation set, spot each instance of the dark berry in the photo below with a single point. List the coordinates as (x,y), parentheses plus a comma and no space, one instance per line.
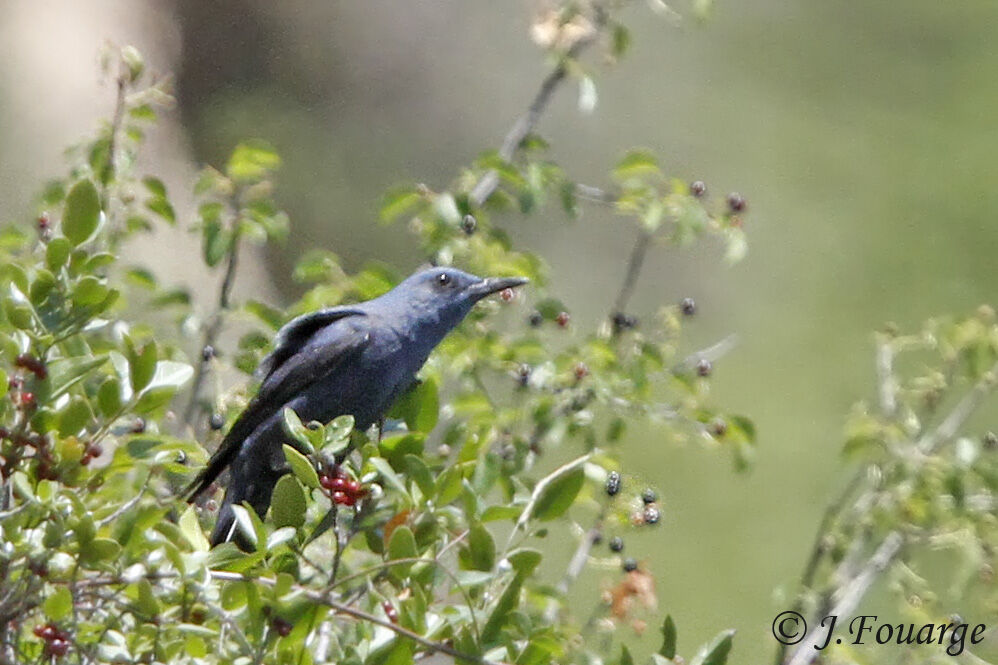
(596,538)
(563,319)
(207,353)
(652,515)
(217,421)
(15,383)
(535,319)
(138,426)
(736,202)
(33,365)
(630,565)
(281,627)
(991,441)
(85,460)
(468,224)
(622,321)
(4,433)
(704,367)
(581,371)
(613,483)
(718,427)
(617,544)
(649,496)
(95,450)
(688,306)
(698,188)
(523,374)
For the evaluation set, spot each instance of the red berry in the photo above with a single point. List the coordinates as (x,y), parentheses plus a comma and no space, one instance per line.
(581,371)
(351,487)
(390,612)
(736,202)
(43,221)
(340,497)
(57,647)
(562,319)
(507,295)
(27,400)
(698,188)
(327,481)
(95,450)
(4,433)
(85,460)
(15,383)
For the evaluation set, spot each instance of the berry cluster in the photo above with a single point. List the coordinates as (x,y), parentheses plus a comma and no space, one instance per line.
(56,640)
(342,489)
(648,514)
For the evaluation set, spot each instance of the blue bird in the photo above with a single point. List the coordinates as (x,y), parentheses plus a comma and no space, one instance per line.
(354,359)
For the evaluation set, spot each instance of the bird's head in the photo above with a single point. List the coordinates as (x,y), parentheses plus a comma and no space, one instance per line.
(448,294)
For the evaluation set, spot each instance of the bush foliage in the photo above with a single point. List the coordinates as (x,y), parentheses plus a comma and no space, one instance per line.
(112,396)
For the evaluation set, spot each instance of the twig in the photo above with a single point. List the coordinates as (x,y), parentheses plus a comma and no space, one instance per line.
(885,378)
(948,428)
(848,597)
(526,123)
(594,194)
(577,563)
(634,264)
(112,141)
(215,327)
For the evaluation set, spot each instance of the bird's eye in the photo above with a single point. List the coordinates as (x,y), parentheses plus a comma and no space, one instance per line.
(443,279)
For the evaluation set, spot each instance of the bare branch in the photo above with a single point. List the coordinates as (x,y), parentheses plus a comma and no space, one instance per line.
(634,264)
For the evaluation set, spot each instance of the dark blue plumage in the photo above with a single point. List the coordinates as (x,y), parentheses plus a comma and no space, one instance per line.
(354,360)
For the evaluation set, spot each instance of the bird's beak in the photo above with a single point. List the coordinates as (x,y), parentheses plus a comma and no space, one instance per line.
(491,285)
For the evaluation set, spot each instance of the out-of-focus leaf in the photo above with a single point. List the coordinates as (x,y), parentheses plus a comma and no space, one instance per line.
(82,213)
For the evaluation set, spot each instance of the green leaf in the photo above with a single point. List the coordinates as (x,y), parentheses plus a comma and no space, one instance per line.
(509,599)
(74,417)
(402,546)
(716,651)
(525,560)
(480,554)
(59,604)
(419,406)
(82,214)
(191,530)
(57,252)
(64,373)
(634,164)
(252,160)
(294,428)
(559,495)
(301,467)
(141,365)
(501,512)
(420,474)
(668,648)
(399,201)
(287,508)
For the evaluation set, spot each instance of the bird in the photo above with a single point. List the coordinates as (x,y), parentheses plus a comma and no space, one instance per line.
(347,360)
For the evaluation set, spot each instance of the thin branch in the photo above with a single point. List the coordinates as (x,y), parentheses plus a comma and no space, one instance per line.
(578,562)
(215,327)
(965,408)
(526,123)
(112,141)
(634,264)
(848,597)
(594,194)
(885,378)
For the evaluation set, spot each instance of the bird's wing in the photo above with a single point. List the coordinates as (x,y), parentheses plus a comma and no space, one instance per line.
(292,367)
(296,333)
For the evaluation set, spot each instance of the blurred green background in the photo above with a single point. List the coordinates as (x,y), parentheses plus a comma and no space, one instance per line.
(862,134)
